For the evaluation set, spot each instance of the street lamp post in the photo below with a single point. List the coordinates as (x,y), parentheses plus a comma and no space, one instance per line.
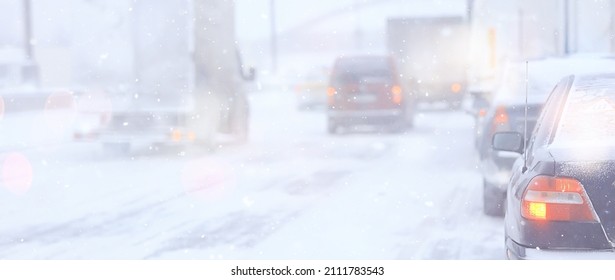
(30,71)
(27,19)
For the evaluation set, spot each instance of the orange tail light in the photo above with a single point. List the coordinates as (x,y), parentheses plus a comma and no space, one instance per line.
(176,136)
(501,116)
(557,199)
(456,87)
(397,94)
(330,94)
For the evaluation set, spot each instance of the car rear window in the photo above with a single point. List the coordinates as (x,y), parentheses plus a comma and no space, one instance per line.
(351,70)
(588,118)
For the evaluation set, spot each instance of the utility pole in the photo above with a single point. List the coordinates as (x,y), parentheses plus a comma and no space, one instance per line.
(27,19)
(274,39)
(30,71)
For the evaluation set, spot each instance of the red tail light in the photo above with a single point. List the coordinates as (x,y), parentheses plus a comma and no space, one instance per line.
(557,199)
(501,116)
(397,94)
(500,120)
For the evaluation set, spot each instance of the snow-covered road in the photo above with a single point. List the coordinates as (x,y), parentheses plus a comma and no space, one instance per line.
(293,192)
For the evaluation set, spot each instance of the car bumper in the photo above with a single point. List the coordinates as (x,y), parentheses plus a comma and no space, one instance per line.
(515,251)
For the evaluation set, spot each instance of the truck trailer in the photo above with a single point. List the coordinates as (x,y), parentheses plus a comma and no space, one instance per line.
(171,75)
(432,56)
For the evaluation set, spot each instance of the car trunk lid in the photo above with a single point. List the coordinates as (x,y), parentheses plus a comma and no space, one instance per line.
(595,170)
(365,93)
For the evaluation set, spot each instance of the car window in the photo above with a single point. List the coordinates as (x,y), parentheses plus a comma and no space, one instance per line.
(587,118)
(355,69)
(544,125)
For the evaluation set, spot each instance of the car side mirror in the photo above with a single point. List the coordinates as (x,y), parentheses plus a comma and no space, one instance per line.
(508,141)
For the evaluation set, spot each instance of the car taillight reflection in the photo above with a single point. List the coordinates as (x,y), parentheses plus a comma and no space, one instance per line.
(557,199)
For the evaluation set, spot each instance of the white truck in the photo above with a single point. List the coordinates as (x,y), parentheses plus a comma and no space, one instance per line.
(160,72)
(432,55)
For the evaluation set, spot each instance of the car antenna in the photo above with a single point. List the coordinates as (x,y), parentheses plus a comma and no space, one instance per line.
(525,119)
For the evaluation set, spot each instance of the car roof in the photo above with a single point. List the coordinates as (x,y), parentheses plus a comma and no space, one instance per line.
(594,81)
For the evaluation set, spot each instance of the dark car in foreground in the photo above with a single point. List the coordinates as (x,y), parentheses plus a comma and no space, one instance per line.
(365,90)
(507,113)
(561,196)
